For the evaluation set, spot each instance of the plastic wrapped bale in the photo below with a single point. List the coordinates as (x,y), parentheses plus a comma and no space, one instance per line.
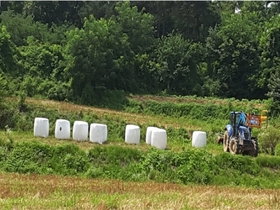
(199,139)
(80,131)
(149,134)
(41,127)
(159,138)
(98,133)
(132,134)
(62,129)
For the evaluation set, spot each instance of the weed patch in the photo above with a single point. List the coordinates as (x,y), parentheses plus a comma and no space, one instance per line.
(115,162)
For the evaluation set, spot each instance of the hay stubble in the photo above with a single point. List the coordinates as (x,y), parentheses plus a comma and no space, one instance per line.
(57,192)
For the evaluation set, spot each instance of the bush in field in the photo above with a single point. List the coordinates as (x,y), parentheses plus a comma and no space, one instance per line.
(159,165)
(114,162)
(195,166)
(192,166)
(28,157)
(277,149)
(268,139)
(69,160)
(34,157)
(242,164)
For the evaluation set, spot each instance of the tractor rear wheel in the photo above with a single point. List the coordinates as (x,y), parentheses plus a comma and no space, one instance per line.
(225,142)
(233,146)
(255,148)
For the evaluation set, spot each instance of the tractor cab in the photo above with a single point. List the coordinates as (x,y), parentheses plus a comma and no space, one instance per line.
(238,122)
(237,119)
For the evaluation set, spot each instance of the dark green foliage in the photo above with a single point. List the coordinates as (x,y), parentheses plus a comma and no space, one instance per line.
(8,53)
(140,48)
(59,91)
(3,90)
(112,99)
(20,27)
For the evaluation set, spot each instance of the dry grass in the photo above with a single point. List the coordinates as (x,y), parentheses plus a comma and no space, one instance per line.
(56,192)
(199,100)
(66,107)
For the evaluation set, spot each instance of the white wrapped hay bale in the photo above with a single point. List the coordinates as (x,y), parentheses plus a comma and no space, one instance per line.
(80,131)
(159,138)
(199,139)
(149,134)
(62,129)
(41,127)
(132,134)
(98,133)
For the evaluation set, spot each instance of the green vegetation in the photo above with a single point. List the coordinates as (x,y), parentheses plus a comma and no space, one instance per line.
(131,164)
(97,53)
(140,63)
(180,163)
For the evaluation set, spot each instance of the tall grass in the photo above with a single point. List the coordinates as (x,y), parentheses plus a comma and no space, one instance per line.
(190,166)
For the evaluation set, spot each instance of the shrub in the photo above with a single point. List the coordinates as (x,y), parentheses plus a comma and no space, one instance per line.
(69,160)
(28,157)
(242,164)
(197,167)
(268,139)
(277,149)
(192,166)
(159,165)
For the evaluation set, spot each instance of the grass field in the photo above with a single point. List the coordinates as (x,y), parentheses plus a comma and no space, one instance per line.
(56,192)
(191,99)
(113,114)
(31,191)
(86,145)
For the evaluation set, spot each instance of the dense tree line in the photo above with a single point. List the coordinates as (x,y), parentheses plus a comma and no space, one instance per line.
(82,51)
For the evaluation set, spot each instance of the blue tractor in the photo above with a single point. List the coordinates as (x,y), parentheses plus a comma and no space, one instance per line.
(237,137)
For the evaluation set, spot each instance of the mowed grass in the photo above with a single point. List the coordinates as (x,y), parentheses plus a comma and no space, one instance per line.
(57,192)
(120,116)
(192,99)
(175,146)
(65,107)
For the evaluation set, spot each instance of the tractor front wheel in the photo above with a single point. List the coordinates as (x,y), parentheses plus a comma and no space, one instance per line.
(233,146)
(225,142)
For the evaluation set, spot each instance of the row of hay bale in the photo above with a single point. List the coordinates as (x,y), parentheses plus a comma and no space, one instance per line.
(98,133)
